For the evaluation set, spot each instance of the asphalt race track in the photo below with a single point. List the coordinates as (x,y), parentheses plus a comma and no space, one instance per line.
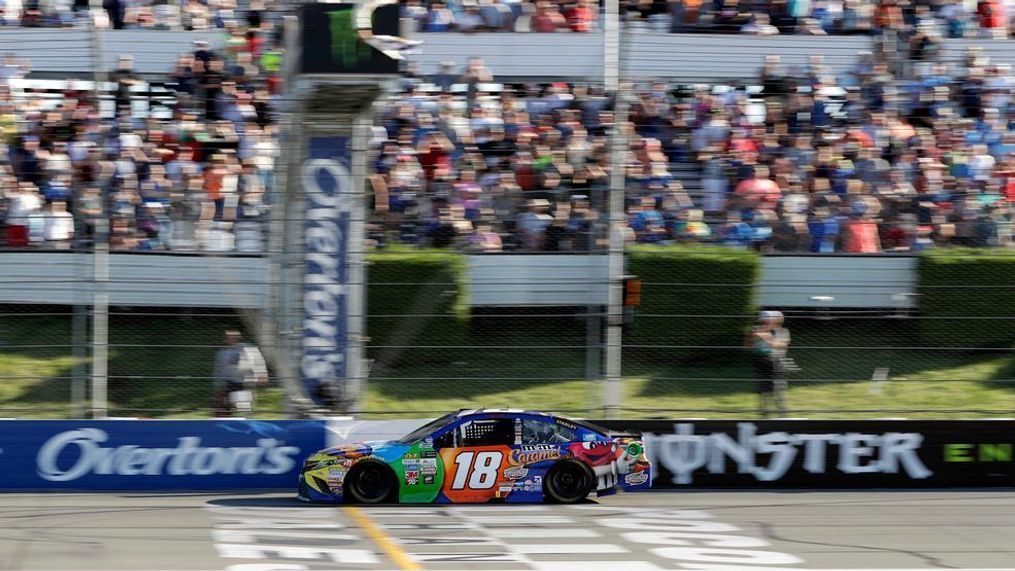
(736,531)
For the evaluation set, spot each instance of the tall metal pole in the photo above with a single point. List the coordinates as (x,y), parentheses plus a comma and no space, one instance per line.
(289,229)
(613,388)
(356,368)
(100,261)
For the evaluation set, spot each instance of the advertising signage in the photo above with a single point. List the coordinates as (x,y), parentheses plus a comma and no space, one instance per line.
(331,42)
(827,454)
(155,454)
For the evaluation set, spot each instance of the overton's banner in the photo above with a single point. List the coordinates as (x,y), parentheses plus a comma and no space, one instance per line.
(330,203)
(155,454)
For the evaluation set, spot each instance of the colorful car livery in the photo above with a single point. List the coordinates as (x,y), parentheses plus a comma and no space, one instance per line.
(480,456)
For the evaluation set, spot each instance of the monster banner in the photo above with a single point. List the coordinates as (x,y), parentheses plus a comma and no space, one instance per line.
(832,454)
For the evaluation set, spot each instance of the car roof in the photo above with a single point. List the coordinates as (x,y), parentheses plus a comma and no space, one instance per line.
(550,416)
(471,411)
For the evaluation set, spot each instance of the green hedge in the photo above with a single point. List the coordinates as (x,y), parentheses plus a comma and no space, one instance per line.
(711,286)
(967,283)
(415,297)
(699,296)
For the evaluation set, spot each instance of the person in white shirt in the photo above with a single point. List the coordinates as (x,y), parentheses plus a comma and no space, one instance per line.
(266,150)
(469,19)
(21,206)
(57,160)
(981,163)
(58,226)
(220,238)
(759,26)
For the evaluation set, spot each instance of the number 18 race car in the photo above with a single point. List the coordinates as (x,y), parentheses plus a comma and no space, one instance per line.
(480,456)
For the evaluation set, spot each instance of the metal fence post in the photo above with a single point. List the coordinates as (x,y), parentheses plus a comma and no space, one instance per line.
(356,355)
(612,388)
(100,261)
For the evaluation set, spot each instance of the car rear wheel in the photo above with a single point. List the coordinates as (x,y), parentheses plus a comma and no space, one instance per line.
(370,483)
(568,482)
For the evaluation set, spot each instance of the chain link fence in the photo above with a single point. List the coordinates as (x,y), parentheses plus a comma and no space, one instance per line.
(162,362)
(487,280)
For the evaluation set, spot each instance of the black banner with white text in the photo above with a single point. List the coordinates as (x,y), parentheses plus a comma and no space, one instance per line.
(826,453)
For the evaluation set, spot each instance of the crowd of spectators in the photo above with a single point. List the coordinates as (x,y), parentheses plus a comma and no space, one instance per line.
(134,14)
(199,178)
(541,16)
(954,19)
(879,164)
(886,157)
(807,162)
(461,161)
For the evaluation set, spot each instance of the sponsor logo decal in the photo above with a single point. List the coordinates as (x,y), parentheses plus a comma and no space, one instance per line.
(83,448)
(428,466)
(327,184)
(516,472)
(768,457)
(636,478)
(533,454)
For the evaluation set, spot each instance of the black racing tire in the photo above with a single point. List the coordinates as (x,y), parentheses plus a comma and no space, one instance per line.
(370,482)
(568,482)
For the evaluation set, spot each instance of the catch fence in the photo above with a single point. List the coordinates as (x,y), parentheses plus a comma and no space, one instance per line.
(86,332)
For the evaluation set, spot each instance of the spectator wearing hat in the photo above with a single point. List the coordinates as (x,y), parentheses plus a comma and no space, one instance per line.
(769,341)
(533,224)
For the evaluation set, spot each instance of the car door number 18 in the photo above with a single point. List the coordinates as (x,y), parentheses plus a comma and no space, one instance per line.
(477,469)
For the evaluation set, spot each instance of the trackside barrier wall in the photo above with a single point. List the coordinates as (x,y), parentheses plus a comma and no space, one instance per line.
(827,454)
(243,455)
(156,455)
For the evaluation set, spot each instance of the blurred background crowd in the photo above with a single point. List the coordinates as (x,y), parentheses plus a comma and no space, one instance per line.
(955,19)
(137,14)
(795,160)
(198,176)
(897,154)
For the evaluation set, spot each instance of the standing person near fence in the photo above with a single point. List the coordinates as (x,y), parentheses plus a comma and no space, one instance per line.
(769,342)
(239,369)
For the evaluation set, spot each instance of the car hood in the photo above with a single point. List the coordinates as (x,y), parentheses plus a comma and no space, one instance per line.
(384,450)
(360,449)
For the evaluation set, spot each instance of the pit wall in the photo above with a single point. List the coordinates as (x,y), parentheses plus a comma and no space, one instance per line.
(246,455)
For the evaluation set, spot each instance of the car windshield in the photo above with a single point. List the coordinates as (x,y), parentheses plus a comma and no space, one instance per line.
(428,428)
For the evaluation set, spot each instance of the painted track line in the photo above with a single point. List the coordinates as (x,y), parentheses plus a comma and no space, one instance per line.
(383,541)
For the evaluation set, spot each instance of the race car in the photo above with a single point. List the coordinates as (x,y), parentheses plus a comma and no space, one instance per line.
(475,456)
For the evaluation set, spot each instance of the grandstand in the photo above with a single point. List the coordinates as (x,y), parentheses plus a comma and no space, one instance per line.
(828,162)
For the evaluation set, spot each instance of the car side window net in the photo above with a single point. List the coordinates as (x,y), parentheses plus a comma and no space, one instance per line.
(488,432)
(539,431)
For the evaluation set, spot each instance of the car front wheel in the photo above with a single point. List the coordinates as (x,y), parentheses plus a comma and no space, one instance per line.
(568,482)
(370,483)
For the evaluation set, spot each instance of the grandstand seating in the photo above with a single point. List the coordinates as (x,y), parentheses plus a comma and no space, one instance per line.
(970,208)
